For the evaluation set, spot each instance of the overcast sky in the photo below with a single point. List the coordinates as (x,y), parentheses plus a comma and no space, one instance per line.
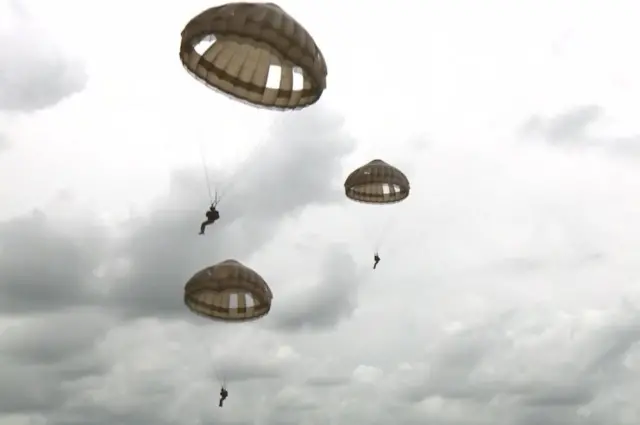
(507,293)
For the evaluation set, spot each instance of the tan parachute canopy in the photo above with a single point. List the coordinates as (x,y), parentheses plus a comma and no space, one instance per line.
(249,38)
(377,183)
(212,292)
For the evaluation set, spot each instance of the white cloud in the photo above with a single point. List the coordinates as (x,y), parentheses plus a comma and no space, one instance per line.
(367,374)
(36,73)
(507,291)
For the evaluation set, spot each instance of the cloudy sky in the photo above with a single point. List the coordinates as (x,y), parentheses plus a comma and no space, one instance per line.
(507,292)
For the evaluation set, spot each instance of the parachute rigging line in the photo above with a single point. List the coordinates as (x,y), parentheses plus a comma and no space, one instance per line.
(214,200)
(220,377)
(388,224)
(237,174)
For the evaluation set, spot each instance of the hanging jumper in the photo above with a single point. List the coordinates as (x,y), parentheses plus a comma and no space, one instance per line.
(212,215)
(376,260)
(223,395)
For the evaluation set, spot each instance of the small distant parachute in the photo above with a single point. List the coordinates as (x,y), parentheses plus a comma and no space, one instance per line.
(377,183)
(228,292)
(250,41)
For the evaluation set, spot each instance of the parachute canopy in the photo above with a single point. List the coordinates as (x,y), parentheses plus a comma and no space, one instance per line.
(377,183)
(228,291)
(252,40)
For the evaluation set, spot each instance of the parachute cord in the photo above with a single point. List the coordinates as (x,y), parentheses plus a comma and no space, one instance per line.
(220,377)
(206,175)
(404,246)
(386,228)
(222,380)
(231,179)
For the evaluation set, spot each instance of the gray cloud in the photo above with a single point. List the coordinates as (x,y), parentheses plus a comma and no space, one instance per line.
(486,364)
(568,127)
(57,272)
(94,331)
(532,264)
(559,395)
(46,340)
(332,299)
(571,129)
(143,385)
(242,370)
(35,73)
(43,268)
(516,368)
(46,269)
(628,146)
(29,389)
(295,169)
(328,381)
(46,359)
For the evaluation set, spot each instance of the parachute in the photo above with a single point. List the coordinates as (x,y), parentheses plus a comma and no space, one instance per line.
(252,40)
(213,291)
(377,183)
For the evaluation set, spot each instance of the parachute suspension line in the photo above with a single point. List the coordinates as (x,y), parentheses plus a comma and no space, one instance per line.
(217,373)
(220,377)
(236,173)
(387,226)
(231,179)
(213,200)
(391,224)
